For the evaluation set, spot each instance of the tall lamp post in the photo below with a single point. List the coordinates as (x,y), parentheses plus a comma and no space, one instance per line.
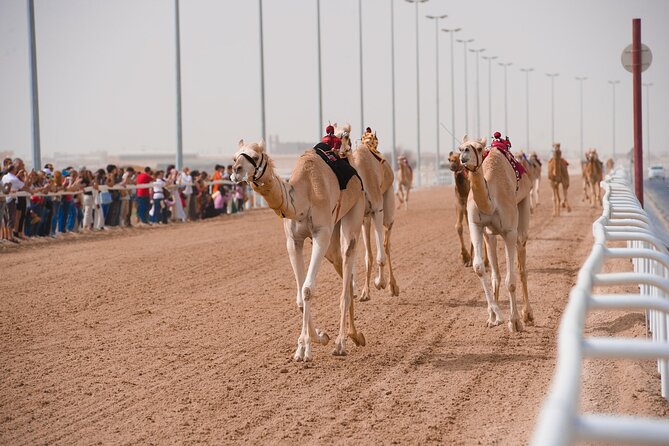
(362,107)
(452,31)
(436,19)
(613,127)
(552,76)
(392,76)
(648,85)
(320,75)
(527,72)
(37,156)
(418,165)
(179,160)
(506,103)
(478,97)
(263,129)
(489,59)
(465,42)
(580,81)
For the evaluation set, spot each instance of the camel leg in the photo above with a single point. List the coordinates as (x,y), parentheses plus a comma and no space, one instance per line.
(350,232)
(380,280)
(537,183)
(523,228)
(565,187)
(510,241)
(321,241)
(406,198)
(491,249)
(556,199)
(296,255)
(400,195)
(369,257)
(388,220)
(494,312)
(464,255)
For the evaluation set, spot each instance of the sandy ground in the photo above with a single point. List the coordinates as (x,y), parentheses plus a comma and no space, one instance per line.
(184,334)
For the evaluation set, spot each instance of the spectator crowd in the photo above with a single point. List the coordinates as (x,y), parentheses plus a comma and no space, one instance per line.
(56,202)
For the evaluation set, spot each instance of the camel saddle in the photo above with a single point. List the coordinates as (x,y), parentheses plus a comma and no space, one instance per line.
(503,147)
(340,166)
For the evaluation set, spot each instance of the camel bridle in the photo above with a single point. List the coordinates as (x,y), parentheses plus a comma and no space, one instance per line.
(478,163)
(259,167)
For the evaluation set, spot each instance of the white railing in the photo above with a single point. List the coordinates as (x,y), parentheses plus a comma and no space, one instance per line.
(623,219)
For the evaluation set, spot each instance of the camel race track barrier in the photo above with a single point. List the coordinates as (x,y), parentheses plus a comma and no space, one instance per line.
(623,219)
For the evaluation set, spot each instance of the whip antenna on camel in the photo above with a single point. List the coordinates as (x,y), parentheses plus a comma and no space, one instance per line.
(449,132)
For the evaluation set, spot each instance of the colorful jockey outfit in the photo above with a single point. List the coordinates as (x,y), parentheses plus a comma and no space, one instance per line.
(328,150)
(333,142)
(504,146)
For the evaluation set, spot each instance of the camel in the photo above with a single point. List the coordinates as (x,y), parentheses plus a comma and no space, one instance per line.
(377,177)
(522,158)
(558,174)
(593,172)
(585,180)
(535,173)
(498,205)
(609,165)
(312,206)
(462,188)
(404,181)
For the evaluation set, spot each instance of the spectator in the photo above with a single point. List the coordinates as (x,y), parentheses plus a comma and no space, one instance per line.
(16,184)
(240,196)
(185,181)
(158,196)
(128,178)
(88,201)
(56,186)
(144,196)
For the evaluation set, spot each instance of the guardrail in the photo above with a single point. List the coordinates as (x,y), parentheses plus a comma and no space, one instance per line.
(623,219)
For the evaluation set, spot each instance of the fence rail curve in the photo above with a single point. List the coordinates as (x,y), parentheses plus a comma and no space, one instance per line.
(623,219)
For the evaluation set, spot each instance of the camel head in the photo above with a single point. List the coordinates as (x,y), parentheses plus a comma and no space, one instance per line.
(250,163)
(471,152)
(454,162)
(591,155)
(557,153)
(344,133)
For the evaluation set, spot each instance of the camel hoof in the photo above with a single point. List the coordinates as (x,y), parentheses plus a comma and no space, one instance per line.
(358,339)
(491,324)
(394,289)
(515,326)
(528,318)
(365,296)
(299,353)
(323,337)
(380,284)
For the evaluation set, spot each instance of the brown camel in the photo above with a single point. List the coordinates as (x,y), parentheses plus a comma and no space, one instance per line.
(498,205)
(312,206)
(404,181)
(461,181)
(377,177)
(558,174)
(593,172)
(585,180)
(535,174)
(522,158)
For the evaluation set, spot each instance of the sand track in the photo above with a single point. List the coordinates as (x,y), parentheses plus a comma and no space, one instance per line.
(185,334)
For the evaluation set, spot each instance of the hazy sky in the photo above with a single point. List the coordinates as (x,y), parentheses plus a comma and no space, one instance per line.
(107,78)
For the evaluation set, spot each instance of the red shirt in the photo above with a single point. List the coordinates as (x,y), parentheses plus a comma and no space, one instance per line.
(144,178)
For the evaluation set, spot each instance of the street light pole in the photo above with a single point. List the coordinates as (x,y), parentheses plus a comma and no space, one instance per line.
(436,34)
(418,164)
(263,129)
(489,59)
(362,107)
(552,76)
(320,75)
(648,85)
(478,98)
(580,81)
(452,31)
(37,155)
(392,62)
(179,160)
(527,72)
(465,42)
(613,127)
(506,103)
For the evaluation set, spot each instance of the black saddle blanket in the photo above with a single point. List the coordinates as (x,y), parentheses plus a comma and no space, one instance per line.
(340,166)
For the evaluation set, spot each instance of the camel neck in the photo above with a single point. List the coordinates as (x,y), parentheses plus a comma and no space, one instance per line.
(277,193)
(480,192)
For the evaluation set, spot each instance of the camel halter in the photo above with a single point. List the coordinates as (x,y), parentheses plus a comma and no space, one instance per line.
(476,152)
(257,167)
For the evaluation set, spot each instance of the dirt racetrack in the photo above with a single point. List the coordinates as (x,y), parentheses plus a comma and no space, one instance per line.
(185,334)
